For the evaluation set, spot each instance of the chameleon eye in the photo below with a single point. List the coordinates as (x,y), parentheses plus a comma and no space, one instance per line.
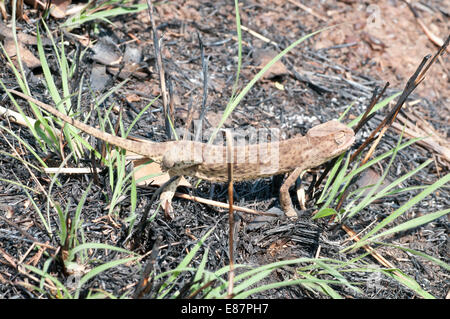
(339,138)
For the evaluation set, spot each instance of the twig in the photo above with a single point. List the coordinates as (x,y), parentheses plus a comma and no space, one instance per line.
(145,283)
(431,36)
(23,232)
(72,170)
(168,114)
(369,249)
(138,234)
(421,128)
(373,252)
(230,160)
(204,108)
(413,82)
(259,36)
(375,98)
(17,118)
(364,119)
(222,205)
(309,10)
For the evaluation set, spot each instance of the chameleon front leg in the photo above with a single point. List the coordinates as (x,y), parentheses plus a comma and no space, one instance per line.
(285,198)
(167,196)
(176,161)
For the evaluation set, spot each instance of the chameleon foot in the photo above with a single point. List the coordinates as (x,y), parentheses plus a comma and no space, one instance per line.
(166,198)
(291,213)
(166,204)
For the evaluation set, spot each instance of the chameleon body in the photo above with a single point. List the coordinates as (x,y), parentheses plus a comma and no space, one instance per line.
(209,162)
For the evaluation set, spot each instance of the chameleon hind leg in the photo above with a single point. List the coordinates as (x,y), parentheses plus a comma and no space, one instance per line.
(285,198)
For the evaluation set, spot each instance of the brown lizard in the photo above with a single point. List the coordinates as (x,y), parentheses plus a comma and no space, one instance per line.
(321,143)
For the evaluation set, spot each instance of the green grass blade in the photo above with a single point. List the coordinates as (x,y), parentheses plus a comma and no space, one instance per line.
(413,223)
(369,198)
(376,107)
(85,17)
(259,289)
(76,222)
(338,181)
(86,246)
(421,254)
(19,184)
(252,82)
(51,86)
(201,268)
(251,281)
(139,115)
(319,286)
(239,36)
(324,212)
(45,275)
(330,177)
(430,189)
(408,282)
(379,158)
(183,264)
(383,192)
(99,269)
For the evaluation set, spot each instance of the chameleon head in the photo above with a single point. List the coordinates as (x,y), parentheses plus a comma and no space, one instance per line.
(331,138)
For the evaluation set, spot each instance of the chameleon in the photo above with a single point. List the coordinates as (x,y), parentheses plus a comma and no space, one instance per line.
(321,143)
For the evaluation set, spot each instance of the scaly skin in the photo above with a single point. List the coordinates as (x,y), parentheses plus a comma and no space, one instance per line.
(321,143)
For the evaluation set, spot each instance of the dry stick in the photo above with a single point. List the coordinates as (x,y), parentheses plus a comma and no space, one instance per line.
(230,158)
(189,118)
(23,232)
(204,108)
(222,205)
(436,56)
(196,292)
(431,36)
(21,269)
(259,36)
(412,83)
(364,119)
(146,282)
(390,117)
(372,251)
(162,79)
(307,9)
(421,128)
(139,233)
(3,10)
(375,98)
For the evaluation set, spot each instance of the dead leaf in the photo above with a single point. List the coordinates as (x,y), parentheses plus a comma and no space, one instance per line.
(370,177)
(99,77)
(132,98)
(262,57)
(106,52)
(58,8)
(26,55)
(143,169)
